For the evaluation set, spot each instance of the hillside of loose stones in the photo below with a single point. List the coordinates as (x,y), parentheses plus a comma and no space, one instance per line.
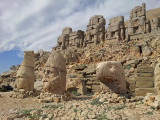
(79,108)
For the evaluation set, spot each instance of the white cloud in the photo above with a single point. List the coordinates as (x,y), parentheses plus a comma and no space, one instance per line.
(36,24)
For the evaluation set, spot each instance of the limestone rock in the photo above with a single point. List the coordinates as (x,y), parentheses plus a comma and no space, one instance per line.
(155,22)
(54,77)
(70,39)
(137,20)
(146,51)
(157,77)
(95,30)
(25,75)
(111,76)
(115,29)
(152,100)
(7,74)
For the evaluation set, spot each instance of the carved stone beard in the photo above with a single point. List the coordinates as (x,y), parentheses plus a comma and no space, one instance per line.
(52,80)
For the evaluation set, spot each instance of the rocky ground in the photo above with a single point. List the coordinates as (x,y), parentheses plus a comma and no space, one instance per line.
(79,108)
(9,107)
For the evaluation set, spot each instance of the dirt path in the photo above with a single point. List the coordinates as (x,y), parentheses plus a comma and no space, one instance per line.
(10,106)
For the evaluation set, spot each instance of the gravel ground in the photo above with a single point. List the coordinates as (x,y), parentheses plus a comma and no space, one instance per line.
(76,109)
(10,106)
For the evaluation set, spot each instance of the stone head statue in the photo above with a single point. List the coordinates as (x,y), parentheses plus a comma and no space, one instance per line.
(111,76)
(25,74)
(54,77)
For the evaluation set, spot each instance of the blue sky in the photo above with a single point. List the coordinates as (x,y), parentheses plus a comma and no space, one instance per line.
(36,24)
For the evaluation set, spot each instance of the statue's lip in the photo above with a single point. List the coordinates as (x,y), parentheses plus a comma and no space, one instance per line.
(45,81)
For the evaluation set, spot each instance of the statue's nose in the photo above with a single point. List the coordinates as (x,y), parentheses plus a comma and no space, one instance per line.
(45,79)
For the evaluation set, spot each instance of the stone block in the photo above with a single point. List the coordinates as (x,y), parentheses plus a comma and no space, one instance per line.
(145,70)
(131,80)
(144,84)
(143,91)
(94,79)
(145,79)
(145,74)
(88,87)
(96,88)
(90,76)
(132,87)
(79,75)
(96,83)
(80,67)
(90,72)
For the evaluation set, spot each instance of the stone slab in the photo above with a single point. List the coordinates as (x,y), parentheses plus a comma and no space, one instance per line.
(132,86)
(92,83)
(145,74)
(145,79)
(80,67)
(79,75)
(96,88)
(145,70)
(143,91)
(131,80)
(144,84)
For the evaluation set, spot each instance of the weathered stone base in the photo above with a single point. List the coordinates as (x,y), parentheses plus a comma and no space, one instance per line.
(143,91)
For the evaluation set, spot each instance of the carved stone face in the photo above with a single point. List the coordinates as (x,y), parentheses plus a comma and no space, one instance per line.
(25,82)
(21,78)
(53,80)
(25,74)
(54,74)
(49,78)
(49,74)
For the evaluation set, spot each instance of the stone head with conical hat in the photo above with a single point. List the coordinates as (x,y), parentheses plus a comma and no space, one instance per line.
(54,77)
(25,74)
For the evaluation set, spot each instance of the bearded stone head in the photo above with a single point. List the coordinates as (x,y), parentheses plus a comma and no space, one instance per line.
(54,77)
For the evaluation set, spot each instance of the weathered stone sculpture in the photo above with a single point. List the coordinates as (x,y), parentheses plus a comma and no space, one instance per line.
(70,39)
(63,40)
(156,23)
(111,76)
(25,74)
(76,38)
(157,77)
(115,29)
(137,22)
(95,31)
(54,78)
